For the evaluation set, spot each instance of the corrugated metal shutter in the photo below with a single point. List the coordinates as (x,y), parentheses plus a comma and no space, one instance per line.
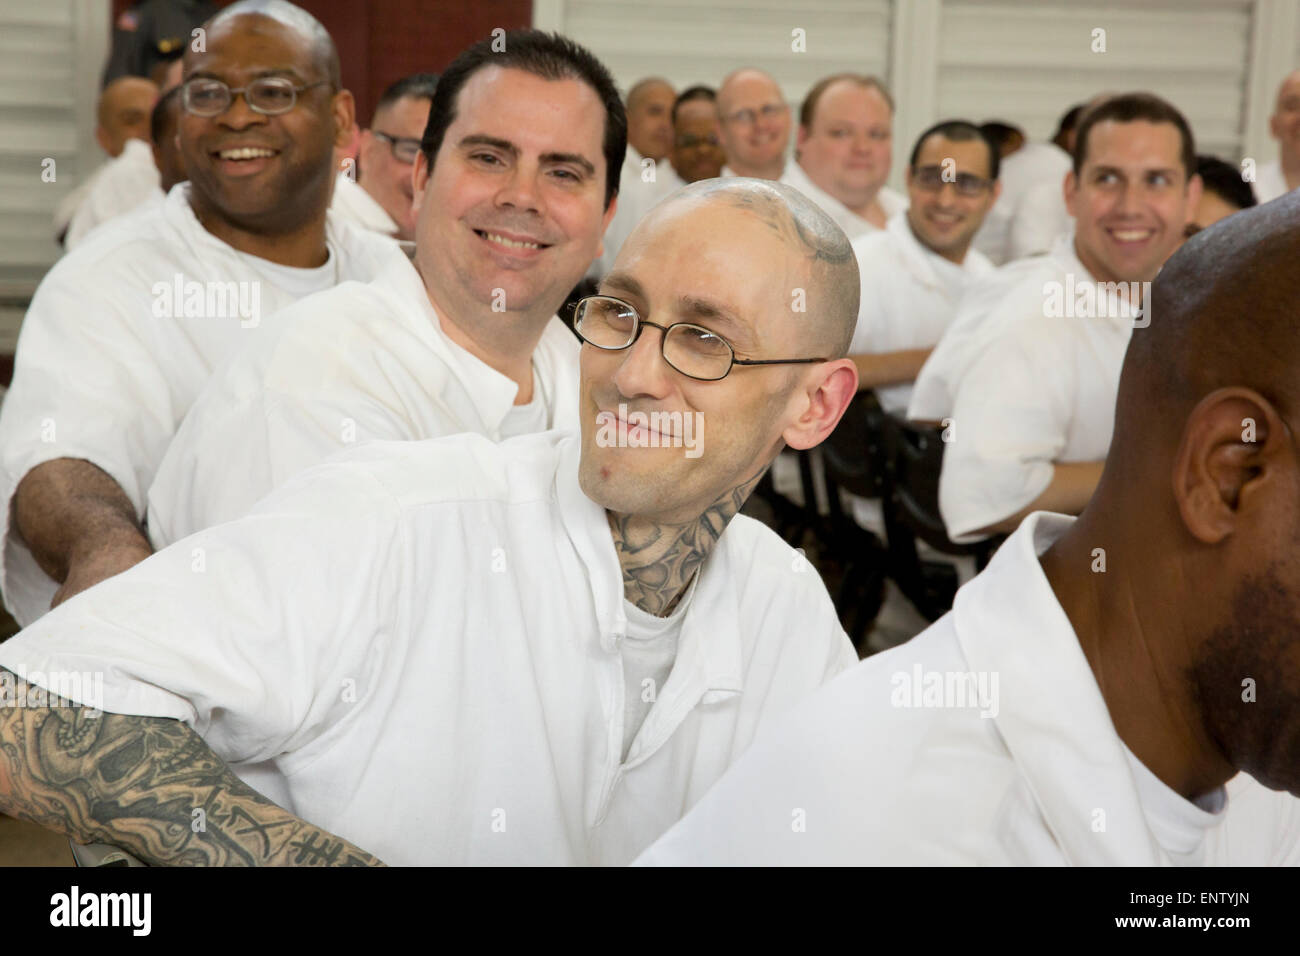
(51,53)
(700,41)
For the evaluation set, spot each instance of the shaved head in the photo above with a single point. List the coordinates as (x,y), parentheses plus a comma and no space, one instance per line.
(123,112)
(812,239)
(325,57)
(1223,313)
(642,87)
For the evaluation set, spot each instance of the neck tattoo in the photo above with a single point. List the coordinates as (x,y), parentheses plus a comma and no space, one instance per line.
(660,560)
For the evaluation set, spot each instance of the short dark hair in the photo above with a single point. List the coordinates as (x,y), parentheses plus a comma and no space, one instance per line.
(1130,108)
(1069,120)
(546,55)
(961,131)
(1000,133)
(808,109)
(706,93)
(418,85)
(1224,180)
(165,113)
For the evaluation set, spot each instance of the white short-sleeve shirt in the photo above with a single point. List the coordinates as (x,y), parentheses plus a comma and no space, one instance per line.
(1031,166)
(353,203)
(909,295)
(422,639)
(124,183)
(638,193)
(896,763)
(991,303)
(120,337)
(1270,182)
(356,363)
(1042,392)
(891,201)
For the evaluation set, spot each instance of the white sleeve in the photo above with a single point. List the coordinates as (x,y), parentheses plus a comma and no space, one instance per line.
(874,266)
(87,384)
(1039,219)
(243,438)
(247,631)
(1009,425)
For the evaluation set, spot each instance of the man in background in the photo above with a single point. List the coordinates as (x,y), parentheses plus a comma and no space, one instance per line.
(1225,192)
(754,122)
(844,152)
(1283,174)
(380,197)
(697,146)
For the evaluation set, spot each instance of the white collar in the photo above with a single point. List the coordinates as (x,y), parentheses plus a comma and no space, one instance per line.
(1052,716)
(924,262)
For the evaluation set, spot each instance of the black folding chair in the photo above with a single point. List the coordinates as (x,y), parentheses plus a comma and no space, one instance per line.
(912,513)
(855,460)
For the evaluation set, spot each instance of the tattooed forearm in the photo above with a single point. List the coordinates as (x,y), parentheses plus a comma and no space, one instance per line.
(659,560)
(149,785)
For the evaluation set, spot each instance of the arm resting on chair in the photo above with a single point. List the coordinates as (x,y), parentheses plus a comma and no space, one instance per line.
(136,782)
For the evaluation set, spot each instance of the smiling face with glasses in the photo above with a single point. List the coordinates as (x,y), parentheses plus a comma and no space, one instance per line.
(695,321)
(387,158)
(258,125)
(754,120)
(950,194)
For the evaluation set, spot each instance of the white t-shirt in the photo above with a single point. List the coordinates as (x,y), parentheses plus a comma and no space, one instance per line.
(421,639)
(894,763)
(648,649)
(353,203)
(1031,166)
(123,183)
(891,201)
(909,295)
(1270,182)
(991,303)
(1042,391)
(355,363)
(108,362)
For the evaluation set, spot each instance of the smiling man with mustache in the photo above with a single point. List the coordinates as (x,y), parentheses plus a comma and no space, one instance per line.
(517,179)
(459,651)
(108,363)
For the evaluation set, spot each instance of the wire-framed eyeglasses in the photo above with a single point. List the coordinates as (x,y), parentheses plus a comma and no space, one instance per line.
(269,95)
(699,353)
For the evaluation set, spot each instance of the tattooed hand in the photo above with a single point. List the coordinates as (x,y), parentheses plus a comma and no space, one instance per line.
(137,782)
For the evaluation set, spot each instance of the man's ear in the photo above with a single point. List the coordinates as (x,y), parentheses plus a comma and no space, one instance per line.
(1195,189)
(604,225)
(1235,462)
(344,109)
(825,396)
(419,179)
(1070,186)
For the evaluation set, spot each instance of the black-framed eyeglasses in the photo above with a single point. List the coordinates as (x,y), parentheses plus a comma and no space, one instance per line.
(613,325)
(268,95)
(403,148)
(932,180)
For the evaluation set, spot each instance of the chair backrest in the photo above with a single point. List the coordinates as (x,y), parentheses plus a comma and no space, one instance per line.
(917,455)
(855,455)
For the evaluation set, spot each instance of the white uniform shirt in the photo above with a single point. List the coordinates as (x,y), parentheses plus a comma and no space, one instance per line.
(355,363)
(878,768)
(1041,392)
(891,201)
(353,203)
(1270,182)
(123,183)
(909,296)
(991,303)
(1031,165)
(1040,219)
(105,371)
(423,638)
(636,197)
